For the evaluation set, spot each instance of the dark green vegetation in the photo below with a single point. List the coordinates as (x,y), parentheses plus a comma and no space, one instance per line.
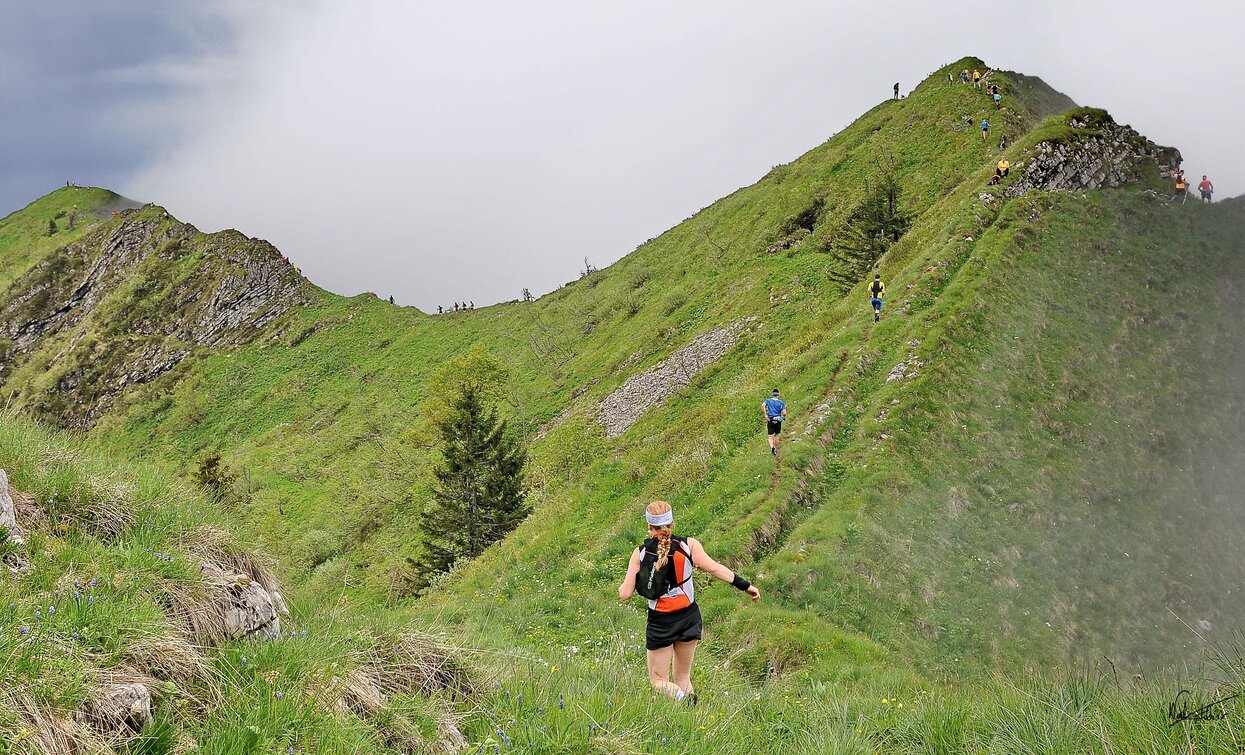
(1029,465)
(479,497)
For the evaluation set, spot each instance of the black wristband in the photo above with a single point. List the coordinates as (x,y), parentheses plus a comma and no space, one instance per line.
(740,583)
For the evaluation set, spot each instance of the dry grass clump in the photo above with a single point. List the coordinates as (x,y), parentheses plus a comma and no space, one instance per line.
(191,604)
(30,515)
(171,657)
(407,663)
(200,605)
(219,548)
(418,663)
(42,730)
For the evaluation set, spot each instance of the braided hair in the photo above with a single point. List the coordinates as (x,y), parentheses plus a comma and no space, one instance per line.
(662,534)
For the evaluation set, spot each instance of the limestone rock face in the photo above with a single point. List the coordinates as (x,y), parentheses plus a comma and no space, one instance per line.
(14,560)
(128,302)
(121,707)
(629,401)
(1101,154)
(248,610)
(8,512)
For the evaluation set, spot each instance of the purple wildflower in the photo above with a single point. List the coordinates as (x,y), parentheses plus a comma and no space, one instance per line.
(304,633)
(51,610)
(25,630)
(90,601)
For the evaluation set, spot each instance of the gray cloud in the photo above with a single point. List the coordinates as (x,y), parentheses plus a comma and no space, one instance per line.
(81,91)
(441,151)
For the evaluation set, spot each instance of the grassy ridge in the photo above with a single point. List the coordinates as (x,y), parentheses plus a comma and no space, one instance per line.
(24,239)
(304,415)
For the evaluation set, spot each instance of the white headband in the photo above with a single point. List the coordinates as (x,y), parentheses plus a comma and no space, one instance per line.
(659,520)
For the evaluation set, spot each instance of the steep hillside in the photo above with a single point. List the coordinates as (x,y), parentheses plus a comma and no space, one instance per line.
(126,303)
(1018,466)
(135,621)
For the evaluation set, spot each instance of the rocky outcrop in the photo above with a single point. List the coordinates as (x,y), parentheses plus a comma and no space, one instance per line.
(120,709)
(247,609)
(127,303)
(628,402)
(8,512)
(1098,154)
(12,541)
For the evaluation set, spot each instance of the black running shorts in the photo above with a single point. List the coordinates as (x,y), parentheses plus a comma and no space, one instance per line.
(665,629)
(774,426)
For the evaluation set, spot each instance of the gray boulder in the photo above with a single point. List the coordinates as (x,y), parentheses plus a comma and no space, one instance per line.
(121,707)
(15,561)
(246,608)
(8,512)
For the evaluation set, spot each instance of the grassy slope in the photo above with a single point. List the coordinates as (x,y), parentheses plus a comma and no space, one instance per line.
(307,420)
(1030,430)
(24,239)
(276,696)
(320,421)
(93,608)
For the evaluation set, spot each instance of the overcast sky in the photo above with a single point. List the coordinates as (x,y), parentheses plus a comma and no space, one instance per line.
(464,150)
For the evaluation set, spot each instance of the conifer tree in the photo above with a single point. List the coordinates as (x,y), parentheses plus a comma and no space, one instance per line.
(479,495)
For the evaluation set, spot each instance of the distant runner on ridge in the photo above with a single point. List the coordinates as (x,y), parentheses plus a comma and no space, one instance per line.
(661,570)
(775,412)
(1207,188)
(877,289)
(1182,188)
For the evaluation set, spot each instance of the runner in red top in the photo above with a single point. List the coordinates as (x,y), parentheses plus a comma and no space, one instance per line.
(1207,188)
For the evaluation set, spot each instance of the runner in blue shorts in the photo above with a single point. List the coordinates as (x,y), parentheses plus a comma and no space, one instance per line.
(775,412)
(877,289)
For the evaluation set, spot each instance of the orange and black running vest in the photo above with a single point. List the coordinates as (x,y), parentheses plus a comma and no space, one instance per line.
(682,595)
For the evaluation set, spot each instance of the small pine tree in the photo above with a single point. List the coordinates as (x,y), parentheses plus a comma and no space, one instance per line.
(51,226)
(213,474)
(480,495)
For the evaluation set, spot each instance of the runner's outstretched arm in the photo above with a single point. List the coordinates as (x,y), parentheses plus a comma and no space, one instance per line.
(702,561)
(627,588)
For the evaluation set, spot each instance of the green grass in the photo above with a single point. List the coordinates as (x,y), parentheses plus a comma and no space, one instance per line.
(24,239)
(1052,488)
(95,606)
